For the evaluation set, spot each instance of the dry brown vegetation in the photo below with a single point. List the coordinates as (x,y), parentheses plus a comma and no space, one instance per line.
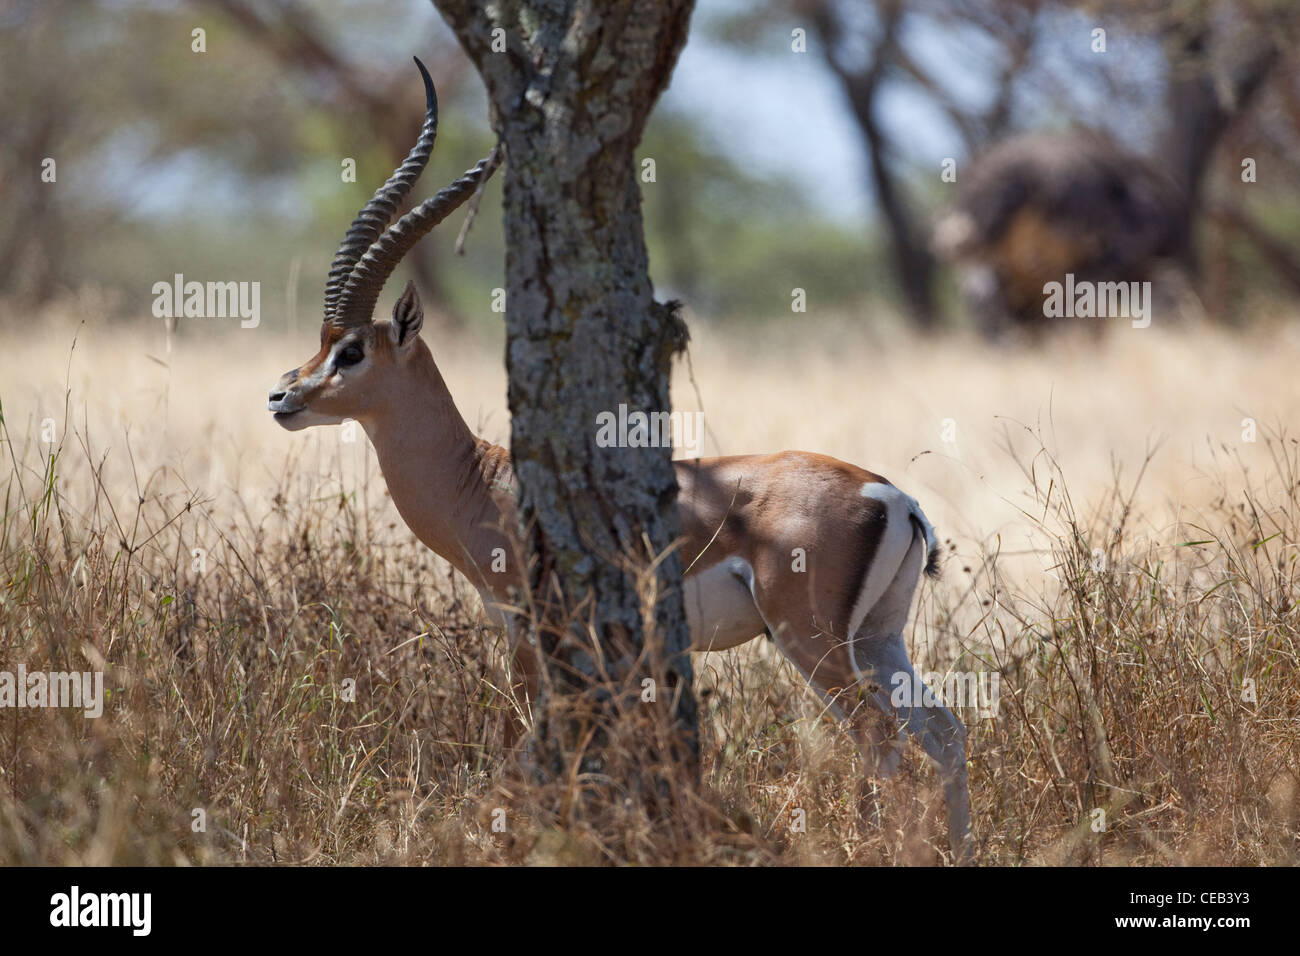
(1117,553)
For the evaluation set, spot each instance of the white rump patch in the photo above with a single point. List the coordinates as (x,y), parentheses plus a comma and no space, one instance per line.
(891,550)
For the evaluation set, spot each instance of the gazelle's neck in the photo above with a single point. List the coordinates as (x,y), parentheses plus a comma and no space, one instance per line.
(453,490)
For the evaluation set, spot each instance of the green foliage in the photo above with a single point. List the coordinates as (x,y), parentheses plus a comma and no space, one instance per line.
(227,165)
(733,244)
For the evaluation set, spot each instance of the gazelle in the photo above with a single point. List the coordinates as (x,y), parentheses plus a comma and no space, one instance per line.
(838,617)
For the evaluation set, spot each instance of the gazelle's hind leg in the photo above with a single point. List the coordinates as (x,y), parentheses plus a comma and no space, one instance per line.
(825,663)
(935,728)
(888,615)
(880,661)
(854,676)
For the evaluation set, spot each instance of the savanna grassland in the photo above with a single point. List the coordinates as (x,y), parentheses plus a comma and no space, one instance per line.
(1120,518)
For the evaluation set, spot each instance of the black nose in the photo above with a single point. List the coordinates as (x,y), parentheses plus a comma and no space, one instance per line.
(276,397)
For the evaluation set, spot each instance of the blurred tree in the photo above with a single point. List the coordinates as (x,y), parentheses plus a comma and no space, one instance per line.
(171,159)
(299,42)
(32,232)
(1035,208)
(1188,70)
(865,45)
(106,124)
(861,78)
(728,241)
(225,163)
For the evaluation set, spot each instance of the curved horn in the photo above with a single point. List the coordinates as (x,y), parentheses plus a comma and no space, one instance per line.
(368,276)
(379,212)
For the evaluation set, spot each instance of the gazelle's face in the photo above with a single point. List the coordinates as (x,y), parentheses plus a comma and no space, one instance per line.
(361,365)
(352,374)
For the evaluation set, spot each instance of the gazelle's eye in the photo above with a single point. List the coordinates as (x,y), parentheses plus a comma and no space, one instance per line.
(350,355)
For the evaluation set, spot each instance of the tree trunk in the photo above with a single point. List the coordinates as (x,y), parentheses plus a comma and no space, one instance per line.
(570,96)
(1201,105)
(861,83)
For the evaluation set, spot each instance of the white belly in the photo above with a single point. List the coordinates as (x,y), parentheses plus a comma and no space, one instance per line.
(720,609)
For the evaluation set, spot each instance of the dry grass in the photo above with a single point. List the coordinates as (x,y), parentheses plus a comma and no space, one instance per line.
(1123,598)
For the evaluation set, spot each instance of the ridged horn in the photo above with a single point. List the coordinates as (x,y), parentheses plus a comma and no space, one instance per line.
(378,213)
(364,283)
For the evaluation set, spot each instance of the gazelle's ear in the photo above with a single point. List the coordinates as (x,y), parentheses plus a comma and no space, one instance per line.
(408,316)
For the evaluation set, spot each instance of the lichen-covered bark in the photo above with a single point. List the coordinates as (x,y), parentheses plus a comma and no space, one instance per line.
(570,97)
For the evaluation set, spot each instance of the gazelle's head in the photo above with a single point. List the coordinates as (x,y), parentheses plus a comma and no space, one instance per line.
(351,375)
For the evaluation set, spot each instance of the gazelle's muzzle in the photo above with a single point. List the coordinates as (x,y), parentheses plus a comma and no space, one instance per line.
(284,399)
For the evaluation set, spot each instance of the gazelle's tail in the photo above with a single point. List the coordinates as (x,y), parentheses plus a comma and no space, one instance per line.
(926,530)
